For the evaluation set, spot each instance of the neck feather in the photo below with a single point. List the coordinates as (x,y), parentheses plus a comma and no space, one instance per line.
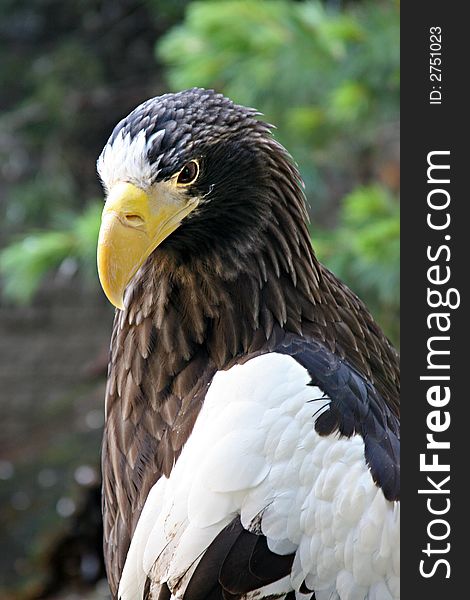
(207,312)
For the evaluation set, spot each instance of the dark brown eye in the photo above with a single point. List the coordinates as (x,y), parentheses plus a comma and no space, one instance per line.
(188,173)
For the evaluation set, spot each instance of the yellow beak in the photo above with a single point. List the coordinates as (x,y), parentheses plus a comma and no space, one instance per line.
(133,224)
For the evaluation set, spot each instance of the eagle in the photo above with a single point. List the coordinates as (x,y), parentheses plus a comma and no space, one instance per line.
(251,442)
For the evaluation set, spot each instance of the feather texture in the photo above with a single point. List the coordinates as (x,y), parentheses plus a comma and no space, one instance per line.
(238,279)
(259,498)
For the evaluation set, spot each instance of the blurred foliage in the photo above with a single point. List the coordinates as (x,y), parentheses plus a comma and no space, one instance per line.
(328,78)
(327,74)
(365,249)
(24,263)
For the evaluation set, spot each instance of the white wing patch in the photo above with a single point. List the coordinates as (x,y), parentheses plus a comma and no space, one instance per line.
(254,452)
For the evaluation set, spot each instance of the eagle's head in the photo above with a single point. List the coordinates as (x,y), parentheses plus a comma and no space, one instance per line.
(190,172)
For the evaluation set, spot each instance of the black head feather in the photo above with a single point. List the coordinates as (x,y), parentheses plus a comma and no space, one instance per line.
(191,121)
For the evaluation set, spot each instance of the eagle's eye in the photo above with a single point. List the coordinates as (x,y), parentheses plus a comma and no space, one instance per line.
(188,173)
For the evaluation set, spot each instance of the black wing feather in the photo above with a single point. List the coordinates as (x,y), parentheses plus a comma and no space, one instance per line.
(237,562)
(356,407)
(205,579)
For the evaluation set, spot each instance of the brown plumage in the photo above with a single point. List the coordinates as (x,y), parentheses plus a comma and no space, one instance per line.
(196,307)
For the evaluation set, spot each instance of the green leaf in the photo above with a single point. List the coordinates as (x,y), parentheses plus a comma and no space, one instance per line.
(25,263)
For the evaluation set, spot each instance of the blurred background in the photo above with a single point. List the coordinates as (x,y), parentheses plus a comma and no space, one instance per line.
(326,73)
